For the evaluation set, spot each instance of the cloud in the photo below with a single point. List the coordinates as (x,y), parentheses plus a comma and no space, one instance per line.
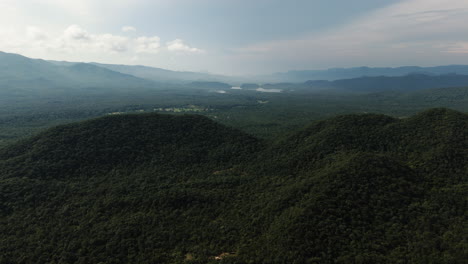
(128,29)
(148,45)
(75,32)
(113,43)
(408,32)
(178,45)
(77,39)
(78,44)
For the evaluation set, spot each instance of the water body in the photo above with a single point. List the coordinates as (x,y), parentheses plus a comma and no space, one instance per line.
(268,90)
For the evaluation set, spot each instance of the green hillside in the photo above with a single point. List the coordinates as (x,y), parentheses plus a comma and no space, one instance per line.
(127,141)
(183,189)
(366,189)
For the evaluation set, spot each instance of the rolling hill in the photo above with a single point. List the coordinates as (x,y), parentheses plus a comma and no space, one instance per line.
(183,189)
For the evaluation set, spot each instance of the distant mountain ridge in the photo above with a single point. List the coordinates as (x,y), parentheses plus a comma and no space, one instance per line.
(162,75)
(21,73)
(411,82)
(210,85)
(153,73)
(17,71)
(348,73)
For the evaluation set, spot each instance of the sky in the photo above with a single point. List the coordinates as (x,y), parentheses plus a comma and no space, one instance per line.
(239,37)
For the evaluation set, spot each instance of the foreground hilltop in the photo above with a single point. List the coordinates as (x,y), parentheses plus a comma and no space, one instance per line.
(184,189)
(124,142)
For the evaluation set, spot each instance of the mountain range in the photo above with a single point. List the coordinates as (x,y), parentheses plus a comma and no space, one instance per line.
(20,71)
(349,73)
(407,83)
(162,75)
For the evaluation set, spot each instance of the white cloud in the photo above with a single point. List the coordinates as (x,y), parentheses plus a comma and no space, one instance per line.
(113,43)
(180,46)
(75,32)
(77,42)
(77,39)
(148,44)
(128,29)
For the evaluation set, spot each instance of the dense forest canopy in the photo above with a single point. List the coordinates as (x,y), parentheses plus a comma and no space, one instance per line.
(158,188)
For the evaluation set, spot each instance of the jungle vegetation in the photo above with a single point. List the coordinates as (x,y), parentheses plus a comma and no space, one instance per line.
(164,188)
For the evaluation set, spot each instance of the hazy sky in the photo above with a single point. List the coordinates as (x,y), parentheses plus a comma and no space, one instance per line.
(239,36)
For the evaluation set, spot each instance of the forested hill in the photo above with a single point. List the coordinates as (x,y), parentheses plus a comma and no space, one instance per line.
(184,189)
(366,189)
(126,141)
